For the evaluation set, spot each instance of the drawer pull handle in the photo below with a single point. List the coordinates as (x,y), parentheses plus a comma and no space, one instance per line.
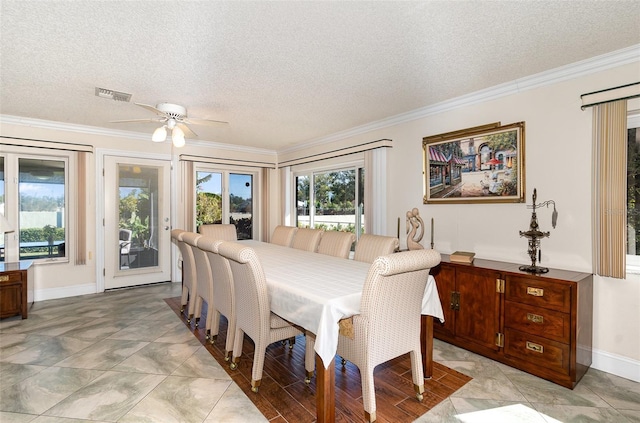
(536,292)
(4,278)
(535,347)
(535,318)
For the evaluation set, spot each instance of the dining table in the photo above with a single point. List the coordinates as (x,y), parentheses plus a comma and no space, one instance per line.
(316,291)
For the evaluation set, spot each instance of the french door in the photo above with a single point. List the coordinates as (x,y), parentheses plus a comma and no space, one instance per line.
(137,226)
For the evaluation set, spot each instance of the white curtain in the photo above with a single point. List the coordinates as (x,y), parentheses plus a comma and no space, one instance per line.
(375,194)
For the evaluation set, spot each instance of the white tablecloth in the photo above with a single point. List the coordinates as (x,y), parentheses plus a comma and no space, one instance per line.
(316,291)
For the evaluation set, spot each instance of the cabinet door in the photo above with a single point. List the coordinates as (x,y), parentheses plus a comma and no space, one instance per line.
(478,320)
(444,275)
(10,299)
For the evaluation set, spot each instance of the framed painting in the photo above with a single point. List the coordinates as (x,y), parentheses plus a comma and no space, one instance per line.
(483,164)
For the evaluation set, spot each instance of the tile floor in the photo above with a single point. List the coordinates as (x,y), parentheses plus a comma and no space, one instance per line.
(124,356)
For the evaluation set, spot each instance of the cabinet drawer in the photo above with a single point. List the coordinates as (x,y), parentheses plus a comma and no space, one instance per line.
(10,277)
(548,324)
(539,293)
(537,351)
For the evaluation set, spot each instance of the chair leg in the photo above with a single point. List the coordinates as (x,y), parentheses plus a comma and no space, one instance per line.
(368,394)
(231,330)
(417,372)
(255,385)
(309,356)
(237,348)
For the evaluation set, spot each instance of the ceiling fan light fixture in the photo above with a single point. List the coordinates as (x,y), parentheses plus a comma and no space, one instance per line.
(177,136)
(160,134)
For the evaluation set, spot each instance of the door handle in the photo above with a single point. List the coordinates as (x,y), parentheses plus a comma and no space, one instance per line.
(166,228)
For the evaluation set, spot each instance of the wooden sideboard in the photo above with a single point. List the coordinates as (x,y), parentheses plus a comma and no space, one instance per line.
(16,280)
(541,324)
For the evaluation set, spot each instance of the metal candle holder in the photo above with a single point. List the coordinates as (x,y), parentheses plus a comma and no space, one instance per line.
(534,234)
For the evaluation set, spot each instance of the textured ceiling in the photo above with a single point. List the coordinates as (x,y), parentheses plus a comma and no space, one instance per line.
(283,73)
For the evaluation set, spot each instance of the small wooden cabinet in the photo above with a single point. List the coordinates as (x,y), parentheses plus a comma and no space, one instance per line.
(541,324)
(15,283)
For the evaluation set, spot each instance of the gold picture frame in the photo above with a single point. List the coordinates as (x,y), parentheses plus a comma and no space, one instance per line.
(483,164)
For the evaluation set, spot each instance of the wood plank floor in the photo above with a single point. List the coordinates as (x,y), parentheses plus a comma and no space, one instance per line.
(284,397)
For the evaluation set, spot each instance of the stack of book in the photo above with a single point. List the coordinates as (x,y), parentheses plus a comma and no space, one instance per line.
(462,257)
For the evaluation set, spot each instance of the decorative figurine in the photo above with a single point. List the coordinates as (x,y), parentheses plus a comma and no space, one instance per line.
(415,224)
(534,234)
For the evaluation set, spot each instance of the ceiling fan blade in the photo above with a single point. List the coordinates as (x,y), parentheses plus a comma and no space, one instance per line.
(150,108)
(138,120)
(188,133)
(210,122)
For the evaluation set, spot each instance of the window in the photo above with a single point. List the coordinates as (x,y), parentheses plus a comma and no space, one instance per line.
(41,192)
(225,196)
(332,200)
(36,205)
(633,193)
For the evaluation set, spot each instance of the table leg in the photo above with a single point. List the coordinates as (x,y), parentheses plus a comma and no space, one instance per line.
(426,340)
(325,391)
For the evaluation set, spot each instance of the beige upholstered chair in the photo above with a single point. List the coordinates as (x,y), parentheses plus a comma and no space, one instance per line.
(307,239)
(188,267)
(283,235)
(223,296)
(202,285)
(253,310)
(223,231)
(369,247)
(336,243)
(389,321)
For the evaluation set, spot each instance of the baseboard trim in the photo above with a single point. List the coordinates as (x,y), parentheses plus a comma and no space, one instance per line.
(616,364)
(63,292)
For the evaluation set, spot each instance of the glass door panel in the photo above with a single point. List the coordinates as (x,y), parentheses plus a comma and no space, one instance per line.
(137,221)
(138,216)
(208,198)
(241,204)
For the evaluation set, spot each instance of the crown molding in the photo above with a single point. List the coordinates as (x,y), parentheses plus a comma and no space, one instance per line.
(69,127)
(574,70)
(94,130)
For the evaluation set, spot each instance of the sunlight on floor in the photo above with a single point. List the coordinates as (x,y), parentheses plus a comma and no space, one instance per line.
(512,413)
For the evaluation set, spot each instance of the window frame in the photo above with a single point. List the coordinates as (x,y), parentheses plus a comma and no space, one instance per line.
(633,261)
(12,157)
(322,167)
(226,171)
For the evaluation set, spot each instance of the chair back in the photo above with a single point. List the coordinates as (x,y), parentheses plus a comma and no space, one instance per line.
(307,239)
(188,259)
(188,264)
(223,231)
(223,296)
(369,247)
(250,289)
(204,285)
(336,243)
(392,294)
(283,235)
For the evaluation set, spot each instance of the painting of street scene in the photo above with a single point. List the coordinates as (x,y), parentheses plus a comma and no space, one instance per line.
(475,165)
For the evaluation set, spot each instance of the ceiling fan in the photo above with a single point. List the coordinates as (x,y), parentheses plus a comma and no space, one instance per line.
(173,117)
